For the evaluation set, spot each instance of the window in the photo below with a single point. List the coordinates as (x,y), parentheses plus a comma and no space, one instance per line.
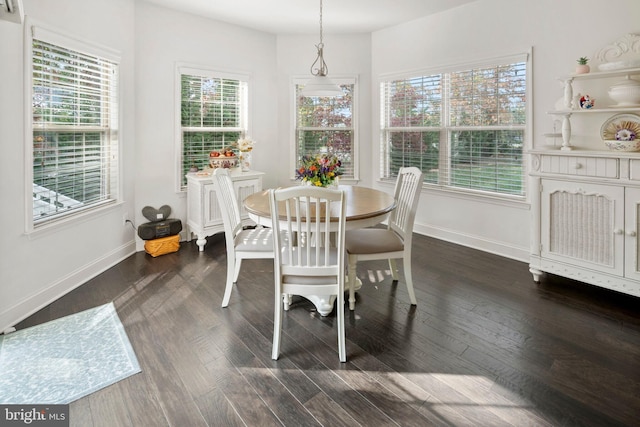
(463,129)
(326,125)
(213,115)
(74,127)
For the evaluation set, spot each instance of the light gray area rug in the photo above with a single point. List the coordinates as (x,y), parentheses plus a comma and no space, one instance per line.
(65,359)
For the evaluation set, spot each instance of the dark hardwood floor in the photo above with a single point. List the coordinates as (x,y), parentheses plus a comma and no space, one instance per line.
(485,346)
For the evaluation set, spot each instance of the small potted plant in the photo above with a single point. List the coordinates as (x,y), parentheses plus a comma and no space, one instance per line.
(583,67)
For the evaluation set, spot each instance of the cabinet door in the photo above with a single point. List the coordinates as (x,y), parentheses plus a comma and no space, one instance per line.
(212,214)
(243,188)
(632,226)
(583,224)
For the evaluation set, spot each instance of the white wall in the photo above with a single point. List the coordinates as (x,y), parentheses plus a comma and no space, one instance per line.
(165,38)
(37,269)
(559,31)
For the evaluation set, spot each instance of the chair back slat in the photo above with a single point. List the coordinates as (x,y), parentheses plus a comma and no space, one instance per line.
(227,201)
(406,192)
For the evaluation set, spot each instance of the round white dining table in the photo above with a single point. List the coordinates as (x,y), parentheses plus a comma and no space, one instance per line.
(366,207)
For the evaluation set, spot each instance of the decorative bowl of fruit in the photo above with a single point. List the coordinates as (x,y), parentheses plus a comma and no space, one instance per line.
(224,158)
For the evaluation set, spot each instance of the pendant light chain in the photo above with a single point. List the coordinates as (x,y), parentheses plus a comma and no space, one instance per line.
(321,44)
(323,70)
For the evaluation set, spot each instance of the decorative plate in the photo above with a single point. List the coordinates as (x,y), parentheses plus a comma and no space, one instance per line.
(621,127)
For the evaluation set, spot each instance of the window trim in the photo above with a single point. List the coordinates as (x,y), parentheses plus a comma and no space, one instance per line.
(343,79)
(35,29)
(210,72)
(526,56)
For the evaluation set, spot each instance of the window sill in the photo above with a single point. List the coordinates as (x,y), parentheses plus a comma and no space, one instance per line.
(476,196)
(71,221)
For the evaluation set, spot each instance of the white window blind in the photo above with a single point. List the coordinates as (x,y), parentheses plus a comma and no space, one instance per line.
(463,129)
(326,125)
(413,121)
(75,131)
(212,116)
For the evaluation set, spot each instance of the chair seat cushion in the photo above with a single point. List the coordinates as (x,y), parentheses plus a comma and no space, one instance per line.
(372,241)
(255,240)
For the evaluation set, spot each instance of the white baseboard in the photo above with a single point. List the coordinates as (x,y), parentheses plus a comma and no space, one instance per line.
(52,291)
(475,242)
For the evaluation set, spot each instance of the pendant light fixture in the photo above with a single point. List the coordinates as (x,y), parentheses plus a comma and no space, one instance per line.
(320,84)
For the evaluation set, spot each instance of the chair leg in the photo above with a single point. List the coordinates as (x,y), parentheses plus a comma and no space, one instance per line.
(277,326)
(286,301)
(353,263)
(342,350)
(394,269)
(409,279)
(230,281)
(236,271)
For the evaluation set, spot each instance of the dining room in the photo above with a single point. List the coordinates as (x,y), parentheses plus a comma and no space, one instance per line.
(156,43)
(485,341)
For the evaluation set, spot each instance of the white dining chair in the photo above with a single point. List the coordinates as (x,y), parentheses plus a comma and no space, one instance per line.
(314,262)
(241,244)
(392,242)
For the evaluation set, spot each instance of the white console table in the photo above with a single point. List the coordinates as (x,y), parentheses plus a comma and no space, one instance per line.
(203,212)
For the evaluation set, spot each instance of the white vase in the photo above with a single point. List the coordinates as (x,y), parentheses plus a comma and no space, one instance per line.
(245,161)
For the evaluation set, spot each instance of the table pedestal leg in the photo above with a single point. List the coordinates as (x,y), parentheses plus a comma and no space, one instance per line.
(324,303)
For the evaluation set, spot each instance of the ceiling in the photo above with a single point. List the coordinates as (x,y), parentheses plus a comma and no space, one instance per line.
(303,16)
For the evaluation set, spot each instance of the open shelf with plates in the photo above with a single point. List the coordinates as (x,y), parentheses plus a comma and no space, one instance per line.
(570,106)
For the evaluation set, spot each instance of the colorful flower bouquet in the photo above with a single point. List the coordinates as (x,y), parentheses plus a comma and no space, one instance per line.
(320,170)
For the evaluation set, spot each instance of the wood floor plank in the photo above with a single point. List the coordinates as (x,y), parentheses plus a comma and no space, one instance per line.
(358,402)
(290,375)
(283,404)
(218,411)
(176,402)
(143,405)
(106,408)
(80,413)
(328,412)
(246,402)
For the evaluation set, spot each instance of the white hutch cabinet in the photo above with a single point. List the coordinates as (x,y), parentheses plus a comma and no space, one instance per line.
(586,217)
(203,212)
(585,197)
